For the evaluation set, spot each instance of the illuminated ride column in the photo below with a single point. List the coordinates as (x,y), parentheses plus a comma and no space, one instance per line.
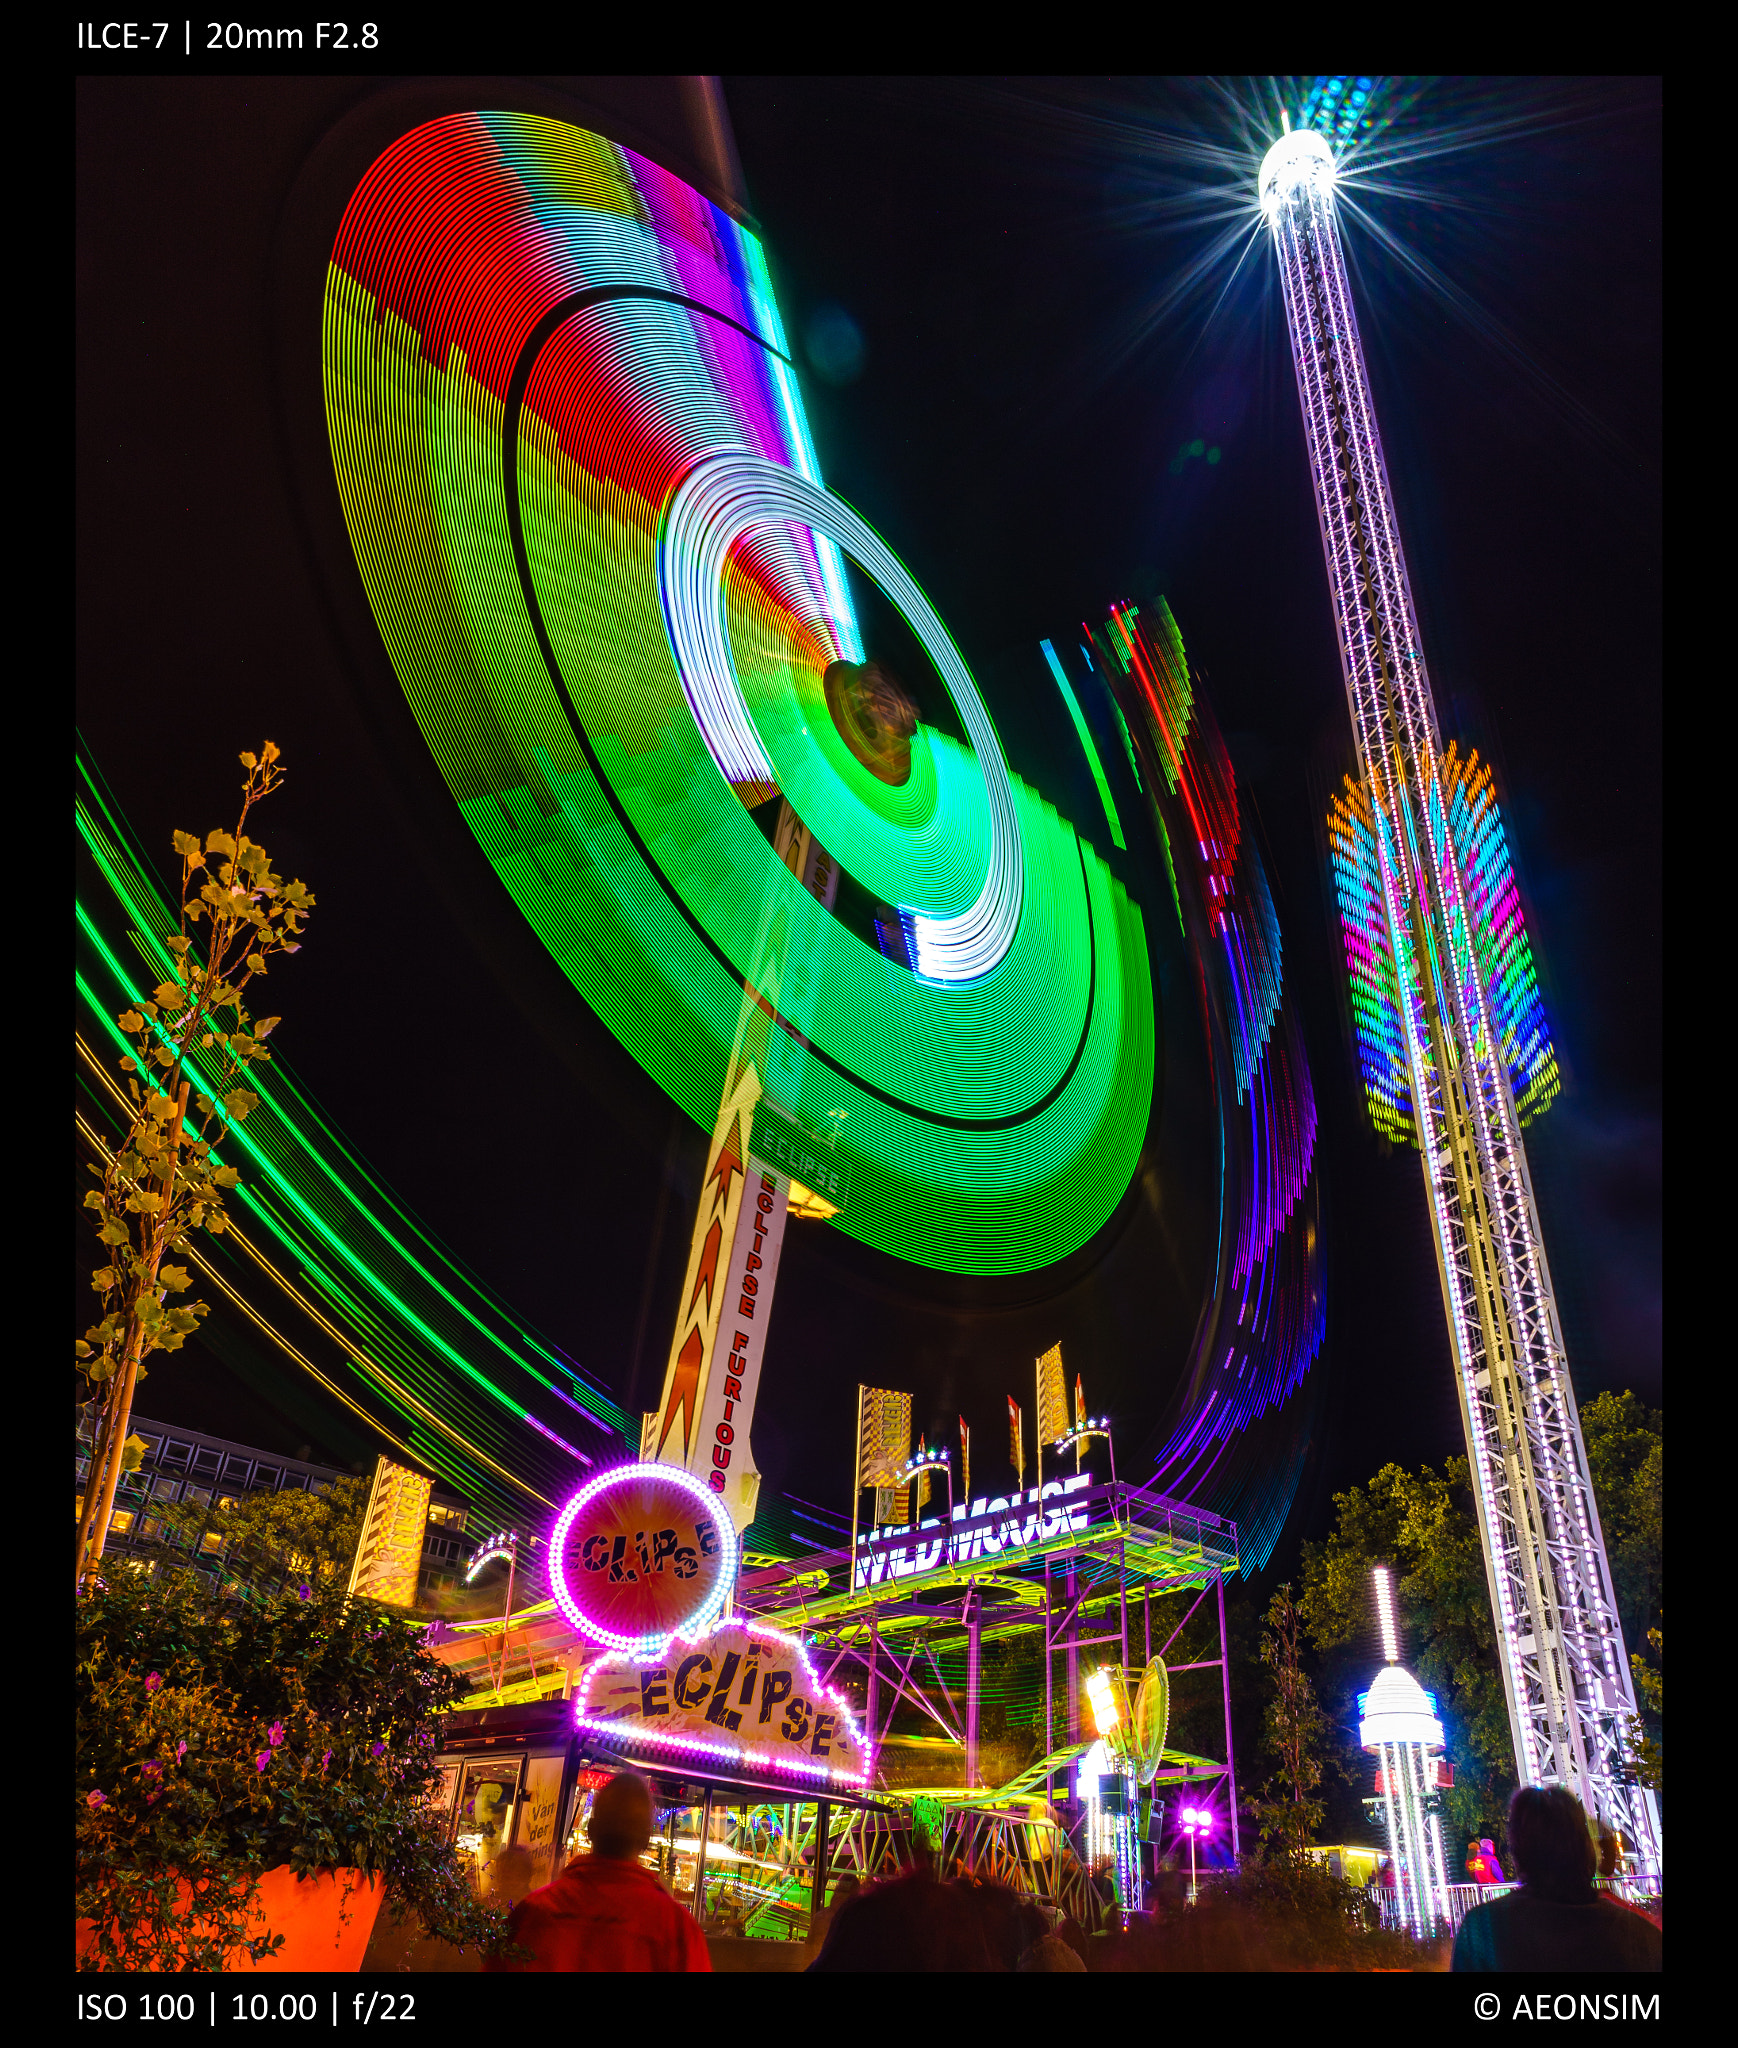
(1565,1673)
(1397,1724)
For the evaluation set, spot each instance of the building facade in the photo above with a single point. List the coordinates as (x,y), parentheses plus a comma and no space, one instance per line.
(187,1465)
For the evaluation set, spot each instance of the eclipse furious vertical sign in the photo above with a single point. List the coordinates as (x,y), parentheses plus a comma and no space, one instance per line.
(728,1403)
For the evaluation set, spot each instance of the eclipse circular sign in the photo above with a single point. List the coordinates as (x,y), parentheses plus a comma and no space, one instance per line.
(642,1553)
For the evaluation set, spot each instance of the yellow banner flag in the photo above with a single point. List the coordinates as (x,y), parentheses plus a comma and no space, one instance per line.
(1052,1398)
(883,1436)
(388,1559)
(892,1506)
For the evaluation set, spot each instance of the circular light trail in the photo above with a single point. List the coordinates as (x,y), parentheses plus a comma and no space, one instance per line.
(721,500)
(586,510)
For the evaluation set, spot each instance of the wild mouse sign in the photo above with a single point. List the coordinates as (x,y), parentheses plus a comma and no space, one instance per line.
(640,1554)
(742,1694)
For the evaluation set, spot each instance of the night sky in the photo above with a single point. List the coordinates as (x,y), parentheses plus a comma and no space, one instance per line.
(1001,373)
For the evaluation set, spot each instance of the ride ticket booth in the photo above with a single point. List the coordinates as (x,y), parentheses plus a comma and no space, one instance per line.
(755,1761)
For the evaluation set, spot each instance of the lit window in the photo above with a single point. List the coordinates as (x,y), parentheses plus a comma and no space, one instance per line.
(211,1541)
(121,1524)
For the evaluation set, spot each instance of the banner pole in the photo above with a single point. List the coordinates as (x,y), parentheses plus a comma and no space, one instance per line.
(856,1483)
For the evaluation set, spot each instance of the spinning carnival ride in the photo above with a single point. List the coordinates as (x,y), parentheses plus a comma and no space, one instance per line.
(573,463)
(582,494)
(587,512)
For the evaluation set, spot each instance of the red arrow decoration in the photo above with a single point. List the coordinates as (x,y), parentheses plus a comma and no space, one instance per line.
(729,1160)
(707,1276)
(682,1391)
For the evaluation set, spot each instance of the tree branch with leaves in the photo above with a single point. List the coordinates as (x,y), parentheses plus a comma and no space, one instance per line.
(268,1540)
(165,1179)
(1290,1807)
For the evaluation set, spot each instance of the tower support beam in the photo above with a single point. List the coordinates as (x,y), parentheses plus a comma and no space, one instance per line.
(1566,1677)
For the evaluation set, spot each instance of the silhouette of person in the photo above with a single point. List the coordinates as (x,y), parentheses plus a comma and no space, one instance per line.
(1556,1920)
(606,1911)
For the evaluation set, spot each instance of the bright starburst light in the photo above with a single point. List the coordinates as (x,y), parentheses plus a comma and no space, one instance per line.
(1435,212)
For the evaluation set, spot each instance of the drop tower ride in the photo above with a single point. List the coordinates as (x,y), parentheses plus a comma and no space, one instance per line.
(1565,1672)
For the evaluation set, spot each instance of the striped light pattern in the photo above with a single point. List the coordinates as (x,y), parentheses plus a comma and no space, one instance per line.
(1493,952)
(1499,931)
(1088,746)
(1264,1322)
(445,1368)
(1371,987)
(532,338)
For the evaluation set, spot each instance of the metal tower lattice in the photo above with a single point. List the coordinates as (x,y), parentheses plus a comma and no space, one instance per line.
(1567,1678)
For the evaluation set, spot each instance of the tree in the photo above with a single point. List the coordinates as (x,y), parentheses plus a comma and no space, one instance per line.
(1626,1460)
(166,1178)
(1423,1525)
(1290,1808)
(270,1540)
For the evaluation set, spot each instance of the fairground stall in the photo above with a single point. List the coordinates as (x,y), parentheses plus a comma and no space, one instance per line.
(767,1732)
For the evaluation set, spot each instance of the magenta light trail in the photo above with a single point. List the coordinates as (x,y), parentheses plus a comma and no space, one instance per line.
(1570,1698)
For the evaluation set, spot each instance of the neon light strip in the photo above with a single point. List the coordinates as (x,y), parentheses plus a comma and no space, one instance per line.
(150,917)
(297,1169)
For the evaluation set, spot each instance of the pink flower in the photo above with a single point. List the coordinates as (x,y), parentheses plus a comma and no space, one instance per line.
(95,1799)
(153,1679)
(180,1751)
(304,1593)
(151,1770)
(325,1760)
(275,1734)
(264,1758)
(379,1749)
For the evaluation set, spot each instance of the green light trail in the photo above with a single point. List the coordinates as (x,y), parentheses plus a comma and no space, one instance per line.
(1087,746)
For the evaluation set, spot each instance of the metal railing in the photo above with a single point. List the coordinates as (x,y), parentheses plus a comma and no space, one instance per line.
(1460,1899)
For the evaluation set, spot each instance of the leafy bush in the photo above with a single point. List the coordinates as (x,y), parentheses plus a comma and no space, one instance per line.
(219,1737)
(1272,1916)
